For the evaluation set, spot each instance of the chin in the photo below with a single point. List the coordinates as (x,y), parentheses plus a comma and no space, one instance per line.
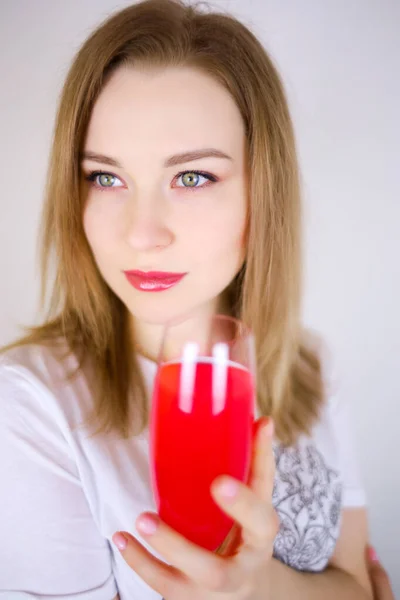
(158,313)
(160,310)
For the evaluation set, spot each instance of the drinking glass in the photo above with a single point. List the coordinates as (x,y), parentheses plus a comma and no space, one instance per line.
(201,424)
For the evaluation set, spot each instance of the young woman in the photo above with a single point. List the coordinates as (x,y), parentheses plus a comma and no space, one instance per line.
(173,152)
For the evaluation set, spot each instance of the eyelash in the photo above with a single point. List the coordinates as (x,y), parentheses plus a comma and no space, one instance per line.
(91,177)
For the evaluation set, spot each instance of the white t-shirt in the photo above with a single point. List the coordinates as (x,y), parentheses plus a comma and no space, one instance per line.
(64,494)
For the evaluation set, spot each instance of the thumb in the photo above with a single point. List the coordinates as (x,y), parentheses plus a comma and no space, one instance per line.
(379,578)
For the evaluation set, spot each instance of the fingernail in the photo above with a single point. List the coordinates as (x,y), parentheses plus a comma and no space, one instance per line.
(228,489)
(147,524)
(373,557)
(120,541)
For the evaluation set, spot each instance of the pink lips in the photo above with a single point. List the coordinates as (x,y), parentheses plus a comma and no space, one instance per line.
(153,281)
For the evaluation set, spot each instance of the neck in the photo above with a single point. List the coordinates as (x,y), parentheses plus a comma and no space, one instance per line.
(147,337)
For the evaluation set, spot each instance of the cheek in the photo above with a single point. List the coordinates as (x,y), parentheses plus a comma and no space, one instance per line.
(101,229)
(225,241)
(218,234)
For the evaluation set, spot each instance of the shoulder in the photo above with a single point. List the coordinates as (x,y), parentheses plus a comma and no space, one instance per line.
(334,433)
(42,469)
(332,426)
(43,362)
(328,364)
(36,379)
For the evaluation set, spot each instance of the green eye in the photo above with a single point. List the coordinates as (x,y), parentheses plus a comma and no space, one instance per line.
(106,180)
(103,181)
(194,179)
(190,179)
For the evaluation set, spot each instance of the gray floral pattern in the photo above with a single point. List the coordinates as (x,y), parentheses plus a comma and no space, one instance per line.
(307,497)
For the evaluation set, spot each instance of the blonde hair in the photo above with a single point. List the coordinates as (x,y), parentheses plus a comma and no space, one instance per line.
(265,294)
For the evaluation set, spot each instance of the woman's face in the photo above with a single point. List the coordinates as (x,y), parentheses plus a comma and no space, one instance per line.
(173,194)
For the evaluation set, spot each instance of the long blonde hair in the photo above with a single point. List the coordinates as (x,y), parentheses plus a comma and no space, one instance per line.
(266,293)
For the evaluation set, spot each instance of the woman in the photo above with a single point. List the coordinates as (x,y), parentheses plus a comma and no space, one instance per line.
(173,151)
(382,589)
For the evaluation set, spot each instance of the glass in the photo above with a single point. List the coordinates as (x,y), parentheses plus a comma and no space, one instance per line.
(201,424)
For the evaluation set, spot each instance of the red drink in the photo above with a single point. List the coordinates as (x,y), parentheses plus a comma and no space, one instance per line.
(201,427)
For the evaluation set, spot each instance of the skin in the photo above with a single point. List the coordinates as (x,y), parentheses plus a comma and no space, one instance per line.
(242,573)
(149,220)
(379,578)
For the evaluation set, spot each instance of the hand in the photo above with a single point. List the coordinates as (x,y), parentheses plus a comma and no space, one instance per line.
(242,572)
(379,578)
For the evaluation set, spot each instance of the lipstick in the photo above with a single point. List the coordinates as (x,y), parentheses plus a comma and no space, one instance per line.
(153,281)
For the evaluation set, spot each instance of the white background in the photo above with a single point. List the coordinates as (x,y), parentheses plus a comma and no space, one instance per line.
(340,60)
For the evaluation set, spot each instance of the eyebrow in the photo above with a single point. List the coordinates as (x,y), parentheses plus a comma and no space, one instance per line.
(172,161)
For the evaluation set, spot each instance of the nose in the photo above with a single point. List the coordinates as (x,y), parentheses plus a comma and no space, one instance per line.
(146,226)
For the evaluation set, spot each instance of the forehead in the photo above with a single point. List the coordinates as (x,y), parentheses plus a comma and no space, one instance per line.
(162,111)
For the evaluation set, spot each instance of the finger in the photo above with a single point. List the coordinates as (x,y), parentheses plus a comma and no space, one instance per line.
(260,464)
(231,545)
(205,568)
(262,469)
(164,579)
(256,517)
(379,578)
